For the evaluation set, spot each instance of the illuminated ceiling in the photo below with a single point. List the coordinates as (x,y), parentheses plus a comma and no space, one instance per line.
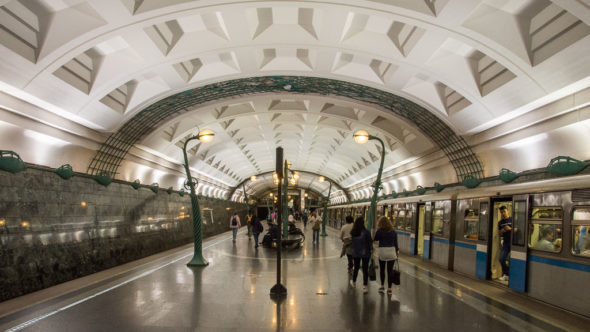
(508,77)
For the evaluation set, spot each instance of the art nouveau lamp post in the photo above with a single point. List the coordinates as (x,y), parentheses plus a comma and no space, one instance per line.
(325,213)
(204,136)
(362,137)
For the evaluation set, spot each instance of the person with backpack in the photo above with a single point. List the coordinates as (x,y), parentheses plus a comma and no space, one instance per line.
(234,225)
(316,223)
(257,228)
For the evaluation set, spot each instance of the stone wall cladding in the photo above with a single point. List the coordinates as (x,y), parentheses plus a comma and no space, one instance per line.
(48,236)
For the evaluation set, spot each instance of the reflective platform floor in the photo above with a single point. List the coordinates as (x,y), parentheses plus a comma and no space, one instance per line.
(160,293)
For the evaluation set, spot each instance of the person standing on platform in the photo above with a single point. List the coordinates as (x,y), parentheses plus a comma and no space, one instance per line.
(505,228)
(304,217)
(362,246)
(347,242)
(257,228)
(388,251)
(249,223)
(234,225)
(315,222)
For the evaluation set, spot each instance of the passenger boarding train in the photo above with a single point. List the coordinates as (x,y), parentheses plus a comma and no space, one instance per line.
(458,230)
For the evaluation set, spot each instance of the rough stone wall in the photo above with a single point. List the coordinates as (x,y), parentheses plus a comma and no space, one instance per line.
(54,230)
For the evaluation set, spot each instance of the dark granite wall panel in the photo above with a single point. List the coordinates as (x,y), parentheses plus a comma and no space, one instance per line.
(54,230)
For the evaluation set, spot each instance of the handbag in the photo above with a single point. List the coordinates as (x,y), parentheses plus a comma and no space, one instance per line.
(396,273)
(387,253)
(372,273)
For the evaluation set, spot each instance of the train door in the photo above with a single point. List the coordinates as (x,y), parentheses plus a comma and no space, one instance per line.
(427,230)
(421,213)
(518,253)
(497,242)
(481,255)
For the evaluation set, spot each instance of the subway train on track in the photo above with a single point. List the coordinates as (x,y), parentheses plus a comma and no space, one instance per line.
(458,230)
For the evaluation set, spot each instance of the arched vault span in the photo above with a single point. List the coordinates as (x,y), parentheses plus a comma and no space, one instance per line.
(114,150)
(337,185)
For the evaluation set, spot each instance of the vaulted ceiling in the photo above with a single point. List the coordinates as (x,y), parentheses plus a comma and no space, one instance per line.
(75,74)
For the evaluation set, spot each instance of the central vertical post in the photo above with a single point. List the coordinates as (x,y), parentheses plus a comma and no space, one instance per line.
(278,289)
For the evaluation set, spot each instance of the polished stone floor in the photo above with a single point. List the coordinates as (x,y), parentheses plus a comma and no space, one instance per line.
(232,294)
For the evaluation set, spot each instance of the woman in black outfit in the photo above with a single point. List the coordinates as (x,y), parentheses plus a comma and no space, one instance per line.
(362,246)
(388,251)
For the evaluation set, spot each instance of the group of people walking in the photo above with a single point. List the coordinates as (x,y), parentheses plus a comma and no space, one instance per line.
(357,245)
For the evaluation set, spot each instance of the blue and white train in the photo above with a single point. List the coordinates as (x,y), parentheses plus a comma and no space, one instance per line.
(458,230)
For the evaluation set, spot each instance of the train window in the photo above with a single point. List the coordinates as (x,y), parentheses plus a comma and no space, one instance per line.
(394,218)
(401,219)
(437,221)
(471,217)
(545,229)
(409,219)
(483,221)
(580,231)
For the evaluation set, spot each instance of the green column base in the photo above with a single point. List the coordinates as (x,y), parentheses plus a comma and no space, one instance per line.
(324,233)
(198,260)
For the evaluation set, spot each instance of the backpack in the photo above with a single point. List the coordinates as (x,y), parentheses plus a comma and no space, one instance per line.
(316,225)
(234,221)
(259,227)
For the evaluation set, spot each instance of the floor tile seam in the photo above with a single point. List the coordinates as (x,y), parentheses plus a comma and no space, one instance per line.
(507,302)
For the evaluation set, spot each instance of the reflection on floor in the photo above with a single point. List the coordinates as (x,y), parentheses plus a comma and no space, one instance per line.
(232,293)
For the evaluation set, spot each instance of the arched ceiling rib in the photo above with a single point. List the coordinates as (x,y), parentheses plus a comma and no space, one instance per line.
(308,181)
(114,150)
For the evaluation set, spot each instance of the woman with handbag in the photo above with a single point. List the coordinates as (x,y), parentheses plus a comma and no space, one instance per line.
(388,251)
(362,245)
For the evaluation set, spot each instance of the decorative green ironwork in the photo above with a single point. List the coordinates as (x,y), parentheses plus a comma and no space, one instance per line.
(394,194)
(65,171)
(10,161)
(507,175)
(565,165)
(420,190)
(136,184)
(438,187)
(103,178)
(113,151)
(155,187)
(470,182)
(170,190)
(181,192)
(406,193)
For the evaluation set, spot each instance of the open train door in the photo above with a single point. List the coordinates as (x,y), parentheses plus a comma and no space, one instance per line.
(482,255)
(518,251)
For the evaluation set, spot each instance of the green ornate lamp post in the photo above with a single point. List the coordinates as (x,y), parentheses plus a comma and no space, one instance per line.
(289,177)
(362,137)
(204,136)
(325,213)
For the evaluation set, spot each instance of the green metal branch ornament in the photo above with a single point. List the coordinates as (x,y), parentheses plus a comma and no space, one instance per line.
(103,178)
(507,175)
(420,190)
(136,184)
(155,187)
(564,165)
(470,181)
(438,187)
(10,161)
(65,171)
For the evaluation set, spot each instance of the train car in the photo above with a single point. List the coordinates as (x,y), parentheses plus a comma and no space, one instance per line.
(549,256)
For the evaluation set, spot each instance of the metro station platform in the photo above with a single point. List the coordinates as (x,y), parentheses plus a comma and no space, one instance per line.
(160,293)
